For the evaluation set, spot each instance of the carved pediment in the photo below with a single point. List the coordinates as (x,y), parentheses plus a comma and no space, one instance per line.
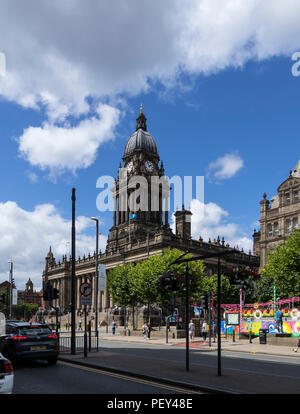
(288,183)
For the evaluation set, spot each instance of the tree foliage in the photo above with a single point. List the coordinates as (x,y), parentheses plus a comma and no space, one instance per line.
(129,284)
(282,269)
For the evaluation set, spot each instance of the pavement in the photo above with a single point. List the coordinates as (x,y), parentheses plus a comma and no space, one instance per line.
(200,376)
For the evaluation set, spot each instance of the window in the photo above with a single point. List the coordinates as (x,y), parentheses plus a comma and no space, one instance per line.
(34,330)
(296,196)
(276,229)
(270,230)
(287,198)
(295,223)
(288,226)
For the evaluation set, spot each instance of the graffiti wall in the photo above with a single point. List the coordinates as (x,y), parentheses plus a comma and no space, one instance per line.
(292,327)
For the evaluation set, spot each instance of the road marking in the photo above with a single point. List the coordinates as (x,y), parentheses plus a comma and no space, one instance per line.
(128,378)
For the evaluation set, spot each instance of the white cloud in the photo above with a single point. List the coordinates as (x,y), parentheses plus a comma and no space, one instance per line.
(225,167)
(210,221)
(27,235)
(60,52)
(68,147)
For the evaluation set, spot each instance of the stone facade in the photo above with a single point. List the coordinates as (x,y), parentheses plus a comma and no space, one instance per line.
(29,295)
(279,216)
(135,235)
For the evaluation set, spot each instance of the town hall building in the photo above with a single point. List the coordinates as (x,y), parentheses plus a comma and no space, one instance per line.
(136,235)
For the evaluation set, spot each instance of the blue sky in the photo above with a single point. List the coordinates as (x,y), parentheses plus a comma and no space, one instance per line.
(198,112)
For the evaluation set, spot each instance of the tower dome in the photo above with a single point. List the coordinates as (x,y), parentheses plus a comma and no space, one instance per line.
(140,140)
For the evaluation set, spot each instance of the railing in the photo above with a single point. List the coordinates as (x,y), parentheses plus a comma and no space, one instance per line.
(65,343)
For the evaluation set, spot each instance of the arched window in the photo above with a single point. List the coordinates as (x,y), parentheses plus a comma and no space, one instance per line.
(287,198)
(270,230)
(288,226)
(295,223)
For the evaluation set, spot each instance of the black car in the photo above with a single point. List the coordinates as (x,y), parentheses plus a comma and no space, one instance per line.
(29,340)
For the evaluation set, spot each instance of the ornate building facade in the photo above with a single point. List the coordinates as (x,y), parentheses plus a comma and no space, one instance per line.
(279,216)
(29,295)
(135,235)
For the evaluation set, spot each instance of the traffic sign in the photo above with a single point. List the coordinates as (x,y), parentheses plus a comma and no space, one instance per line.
(85,290)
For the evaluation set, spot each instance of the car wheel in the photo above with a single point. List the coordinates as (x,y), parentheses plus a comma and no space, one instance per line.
(52,360)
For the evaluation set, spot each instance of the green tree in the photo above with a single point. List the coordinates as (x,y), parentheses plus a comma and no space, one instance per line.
(283,269)
(229,293)
(24,310)
(131,284)
(119,284)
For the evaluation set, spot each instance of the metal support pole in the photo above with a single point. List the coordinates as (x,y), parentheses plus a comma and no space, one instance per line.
(85,335)
(90,336)
(106,320)
(10,288)
(167,328)
(219,316)
(73,280)
(209,318)
(97,282)
(187,280)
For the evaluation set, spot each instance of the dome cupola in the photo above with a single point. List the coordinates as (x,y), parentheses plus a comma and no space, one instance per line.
(140,140)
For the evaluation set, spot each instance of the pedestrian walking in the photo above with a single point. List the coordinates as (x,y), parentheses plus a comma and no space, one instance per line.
(149,329)
(191,330)
(113,327)
(298,346)
(145,331)
(204,331)
(215,330)
(279,319)
(80,325)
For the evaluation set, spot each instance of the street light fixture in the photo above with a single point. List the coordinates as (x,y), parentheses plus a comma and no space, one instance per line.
(96,278)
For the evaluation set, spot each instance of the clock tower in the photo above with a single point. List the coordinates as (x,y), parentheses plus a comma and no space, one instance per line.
(141,177)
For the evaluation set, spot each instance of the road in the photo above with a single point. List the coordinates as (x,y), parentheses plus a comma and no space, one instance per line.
(267,365)
(37,377)
(65,378)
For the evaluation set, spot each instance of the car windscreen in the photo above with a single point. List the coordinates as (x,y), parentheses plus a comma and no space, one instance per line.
(33,330)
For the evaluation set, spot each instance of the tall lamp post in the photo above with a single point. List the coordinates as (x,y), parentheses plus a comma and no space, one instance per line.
(10,287)
(97,277)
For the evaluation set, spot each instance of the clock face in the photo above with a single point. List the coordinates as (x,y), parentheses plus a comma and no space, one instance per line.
(130,166)
(149,166)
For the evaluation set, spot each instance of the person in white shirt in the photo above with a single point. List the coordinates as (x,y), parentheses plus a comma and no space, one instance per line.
(204,331)
(191,330)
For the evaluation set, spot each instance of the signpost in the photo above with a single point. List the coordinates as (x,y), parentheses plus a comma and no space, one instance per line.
(85,290)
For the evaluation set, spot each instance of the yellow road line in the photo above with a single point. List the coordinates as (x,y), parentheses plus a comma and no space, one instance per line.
(128,378)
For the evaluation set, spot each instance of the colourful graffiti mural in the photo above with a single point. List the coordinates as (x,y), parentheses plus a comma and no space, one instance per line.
(292,327)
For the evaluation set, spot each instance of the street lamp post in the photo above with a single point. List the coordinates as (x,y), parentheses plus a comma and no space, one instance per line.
(73,280)
(10,288)
(97,277)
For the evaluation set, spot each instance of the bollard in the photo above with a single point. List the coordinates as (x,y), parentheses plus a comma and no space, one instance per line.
(233,336)
(250,337)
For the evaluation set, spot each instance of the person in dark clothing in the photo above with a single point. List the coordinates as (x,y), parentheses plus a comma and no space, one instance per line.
(149,330)
(279,319)
(298,346)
